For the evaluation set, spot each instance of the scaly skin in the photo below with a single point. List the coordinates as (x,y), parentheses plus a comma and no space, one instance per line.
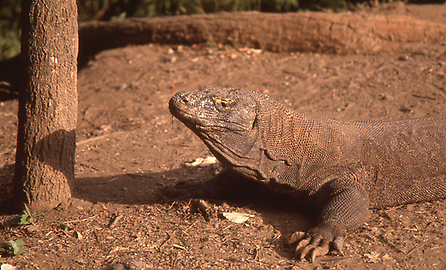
(337,169)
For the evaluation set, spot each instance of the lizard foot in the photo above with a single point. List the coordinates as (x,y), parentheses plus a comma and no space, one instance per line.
(315,243)
(202,207)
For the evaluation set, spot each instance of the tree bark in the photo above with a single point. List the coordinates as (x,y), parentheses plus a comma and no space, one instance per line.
(47,104)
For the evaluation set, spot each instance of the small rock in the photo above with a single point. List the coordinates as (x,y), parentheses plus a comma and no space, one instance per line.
(173,59)
(104,129)
(30,229)
(117,266)
(123,86)
(256,51)
(373,257)
(8,267)
(132,264)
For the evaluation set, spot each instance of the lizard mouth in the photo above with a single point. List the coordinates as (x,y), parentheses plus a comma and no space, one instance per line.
(194,119)
(199,118)
(204,122)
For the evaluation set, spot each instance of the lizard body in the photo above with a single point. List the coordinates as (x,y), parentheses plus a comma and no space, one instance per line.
(338,169)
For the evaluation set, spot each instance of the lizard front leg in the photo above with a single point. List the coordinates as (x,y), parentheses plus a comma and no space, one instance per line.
(345,208)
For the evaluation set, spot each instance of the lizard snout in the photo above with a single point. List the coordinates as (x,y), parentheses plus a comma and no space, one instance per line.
(179,100)
(183,97)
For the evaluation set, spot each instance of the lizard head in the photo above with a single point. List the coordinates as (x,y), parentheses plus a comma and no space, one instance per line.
(214,110)
(224,119)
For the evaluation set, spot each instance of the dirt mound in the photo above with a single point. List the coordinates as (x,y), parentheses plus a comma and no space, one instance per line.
(335,33)
(340,33)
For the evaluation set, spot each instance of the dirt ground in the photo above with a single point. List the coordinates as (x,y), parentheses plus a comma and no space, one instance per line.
(129,147)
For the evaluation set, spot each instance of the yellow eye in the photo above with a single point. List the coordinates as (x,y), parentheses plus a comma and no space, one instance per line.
(223,101)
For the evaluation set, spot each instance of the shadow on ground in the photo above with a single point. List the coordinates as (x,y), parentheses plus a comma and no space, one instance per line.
(6,189)
(275,209)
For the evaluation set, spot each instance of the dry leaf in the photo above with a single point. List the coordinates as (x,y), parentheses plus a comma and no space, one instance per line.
(237,217)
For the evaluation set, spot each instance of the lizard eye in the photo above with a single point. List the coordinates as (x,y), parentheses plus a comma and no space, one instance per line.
(223,101)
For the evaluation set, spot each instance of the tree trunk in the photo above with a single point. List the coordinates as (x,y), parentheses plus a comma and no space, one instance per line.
(47,105)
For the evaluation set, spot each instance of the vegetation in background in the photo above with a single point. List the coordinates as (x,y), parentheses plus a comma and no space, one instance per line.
(105,10)
(115,9)
(9,28)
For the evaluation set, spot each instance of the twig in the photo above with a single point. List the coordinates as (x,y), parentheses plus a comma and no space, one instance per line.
(421,96)
(79,220)
(91,140)
(108,181)
(99,137)
(185,231)
(88,166)
(116,219)
(415,248)
(135,82)
(178,246)
(256,256)
(164,242)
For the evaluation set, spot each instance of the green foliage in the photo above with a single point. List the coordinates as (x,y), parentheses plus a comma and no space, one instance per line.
(9,28)
(12,248)
(26,218)
(108,9)
(327,4)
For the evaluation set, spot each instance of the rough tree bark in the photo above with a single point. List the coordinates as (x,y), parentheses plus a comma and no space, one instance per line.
(47,104)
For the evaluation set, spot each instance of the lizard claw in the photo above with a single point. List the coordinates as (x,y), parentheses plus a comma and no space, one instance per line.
(296,236)
(338,243)
(310,246)
(301,249)
(320,250)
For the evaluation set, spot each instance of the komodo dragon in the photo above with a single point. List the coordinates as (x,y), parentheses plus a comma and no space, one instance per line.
(338,169)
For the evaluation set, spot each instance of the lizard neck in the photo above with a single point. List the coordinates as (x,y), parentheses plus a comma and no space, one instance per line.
(294,144)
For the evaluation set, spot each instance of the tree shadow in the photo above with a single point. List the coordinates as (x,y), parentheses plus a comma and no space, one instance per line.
(6,189)
(279,210)
(276,209)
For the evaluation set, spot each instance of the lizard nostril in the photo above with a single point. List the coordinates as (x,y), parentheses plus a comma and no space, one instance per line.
(183,97)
